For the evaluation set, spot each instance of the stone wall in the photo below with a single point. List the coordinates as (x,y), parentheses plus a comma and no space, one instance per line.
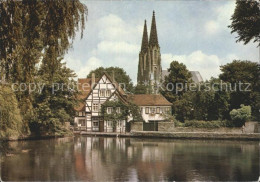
(251,127)
(137,126)
(166,126)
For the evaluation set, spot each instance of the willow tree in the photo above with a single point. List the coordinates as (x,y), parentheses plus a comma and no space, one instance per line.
(33,33)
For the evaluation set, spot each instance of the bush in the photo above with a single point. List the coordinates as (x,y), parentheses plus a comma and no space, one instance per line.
(208,124)
(240,116)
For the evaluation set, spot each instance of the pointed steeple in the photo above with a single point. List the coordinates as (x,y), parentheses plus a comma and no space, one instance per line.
(153,34)
(144,46)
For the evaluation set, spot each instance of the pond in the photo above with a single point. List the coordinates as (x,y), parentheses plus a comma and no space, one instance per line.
(129,159)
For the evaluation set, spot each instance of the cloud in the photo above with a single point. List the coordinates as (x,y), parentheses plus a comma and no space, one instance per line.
(117,47)
(207,65)
(222,16)
(82,69)
(112,27)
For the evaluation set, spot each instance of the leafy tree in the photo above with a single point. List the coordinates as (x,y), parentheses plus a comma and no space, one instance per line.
(11,124)
(126,109)
(246,21)
(119,74)
(240,116)
(176,80)
(55,105)
(245,72)
(33,33)
(31,28)
(140,89)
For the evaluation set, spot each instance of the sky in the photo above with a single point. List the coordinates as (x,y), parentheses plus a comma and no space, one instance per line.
(192,32)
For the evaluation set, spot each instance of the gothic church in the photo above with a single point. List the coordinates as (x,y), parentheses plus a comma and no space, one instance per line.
(150,71)
(149,67)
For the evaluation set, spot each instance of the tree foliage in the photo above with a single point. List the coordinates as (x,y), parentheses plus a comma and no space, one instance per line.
(240,116)
(34,37)
(246,21)
(179,75)
(246,72)
(55,105)
(126,110)
(11,124)
(29,29)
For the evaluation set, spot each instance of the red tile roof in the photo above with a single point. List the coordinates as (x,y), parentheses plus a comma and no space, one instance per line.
(84,87)
(149,100)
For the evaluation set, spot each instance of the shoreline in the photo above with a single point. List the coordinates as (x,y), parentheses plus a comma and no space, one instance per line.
(24,138)
(151,134)
(177,135)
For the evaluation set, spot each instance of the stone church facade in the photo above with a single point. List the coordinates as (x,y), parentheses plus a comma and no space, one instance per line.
(149,67)
(150,71)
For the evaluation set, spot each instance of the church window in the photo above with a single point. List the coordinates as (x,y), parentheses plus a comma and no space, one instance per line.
(155,56)
(144,62)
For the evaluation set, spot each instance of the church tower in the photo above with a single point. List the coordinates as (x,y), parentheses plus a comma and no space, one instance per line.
(149,67)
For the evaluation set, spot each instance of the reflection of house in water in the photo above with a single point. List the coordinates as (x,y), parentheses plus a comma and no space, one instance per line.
(124,159)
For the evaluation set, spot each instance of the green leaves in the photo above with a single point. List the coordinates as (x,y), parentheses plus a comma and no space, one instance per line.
(246,21)
(240,116)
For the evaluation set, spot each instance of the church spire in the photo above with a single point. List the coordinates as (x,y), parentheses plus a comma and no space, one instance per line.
(153,34)
(145,38)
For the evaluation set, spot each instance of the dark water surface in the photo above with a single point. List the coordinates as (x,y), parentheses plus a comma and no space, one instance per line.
(125,159)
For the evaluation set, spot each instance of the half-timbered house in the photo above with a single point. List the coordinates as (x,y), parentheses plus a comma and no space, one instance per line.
(95,92)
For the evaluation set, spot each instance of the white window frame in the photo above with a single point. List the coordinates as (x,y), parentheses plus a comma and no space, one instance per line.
(101,93)
(152,110)
(95,107)
(80,121)
(118,110)
(147,109)
(108,93)
(109,110)
(158,110)
(94,125)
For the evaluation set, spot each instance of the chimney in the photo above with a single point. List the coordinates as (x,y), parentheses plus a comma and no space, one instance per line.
(113,76)
(93,82)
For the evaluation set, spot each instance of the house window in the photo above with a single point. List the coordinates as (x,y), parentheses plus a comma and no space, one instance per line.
(102,93)
(81,122)
(118,110)
(95,107)
(168,109)
(147,110)
(141,110)
(158,110)
(108,93)
(95,123)
(109,110)
(119,124)
(152,110)
(109,123)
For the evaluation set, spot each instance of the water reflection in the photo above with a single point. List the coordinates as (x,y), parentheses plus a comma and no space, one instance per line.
(124,159)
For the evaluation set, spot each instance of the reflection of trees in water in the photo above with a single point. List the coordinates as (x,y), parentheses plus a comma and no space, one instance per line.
(110,159)
(39,160)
